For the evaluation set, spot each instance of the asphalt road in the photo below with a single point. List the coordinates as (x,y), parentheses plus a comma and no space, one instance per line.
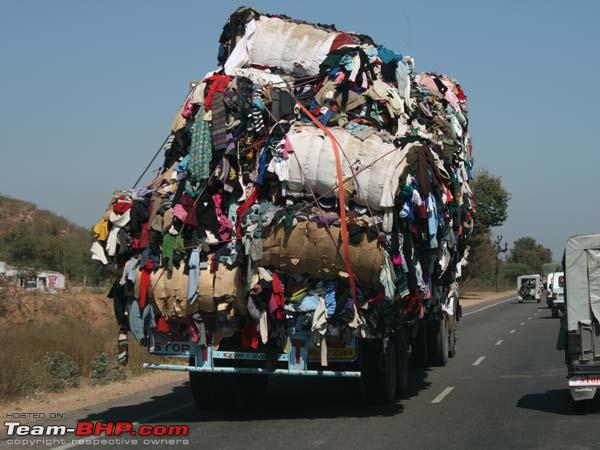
(506,389)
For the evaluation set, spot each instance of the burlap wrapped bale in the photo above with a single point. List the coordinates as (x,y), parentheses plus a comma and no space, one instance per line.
(308,249)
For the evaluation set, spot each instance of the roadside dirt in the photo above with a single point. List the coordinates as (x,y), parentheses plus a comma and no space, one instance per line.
(475,298)
(88,395)
(24,307)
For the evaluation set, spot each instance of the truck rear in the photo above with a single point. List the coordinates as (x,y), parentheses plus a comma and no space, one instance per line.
(311,216)
(580,328)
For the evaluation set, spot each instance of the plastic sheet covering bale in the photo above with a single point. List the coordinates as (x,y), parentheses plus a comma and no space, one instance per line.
(308,249)
(293,47)
(313,165)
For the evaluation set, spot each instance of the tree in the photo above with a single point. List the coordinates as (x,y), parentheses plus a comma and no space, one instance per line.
(527,251)
(511,271)
(498,249)
(491,199)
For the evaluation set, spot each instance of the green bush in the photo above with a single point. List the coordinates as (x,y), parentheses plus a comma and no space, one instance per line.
(510,271)
(104,370)
(63,370)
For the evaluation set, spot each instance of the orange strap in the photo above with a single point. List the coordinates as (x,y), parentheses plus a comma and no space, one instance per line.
(340,177)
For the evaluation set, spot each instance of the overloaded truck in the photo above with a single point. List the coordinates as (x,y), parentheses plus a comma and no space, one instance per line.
(310,217)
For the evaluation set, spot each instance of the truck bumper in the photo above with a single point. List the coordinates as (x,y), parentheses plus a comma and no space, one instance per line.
(254,371)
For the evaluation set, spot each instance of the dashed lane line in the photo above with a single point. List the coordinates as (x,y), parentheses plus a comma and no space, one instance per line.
(488,306)
(442,395)
(529,318)
(512,331)
(522,323)
(500,342)
(479,360)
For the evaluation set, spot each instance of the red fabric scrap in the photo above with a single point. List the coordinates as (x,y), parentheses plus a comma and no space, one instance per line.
(250,336)
(277,302)
(243,208)
(145,282)
(340,40)
(218,83)
(162,326)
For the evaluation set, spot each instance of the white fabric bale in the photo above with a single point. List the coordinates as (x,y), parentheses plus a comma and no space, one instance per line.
(292,47)
(313,165)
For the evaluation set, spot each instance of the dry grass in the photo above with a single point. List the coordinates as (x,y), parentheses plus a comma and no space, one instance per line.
(22,372)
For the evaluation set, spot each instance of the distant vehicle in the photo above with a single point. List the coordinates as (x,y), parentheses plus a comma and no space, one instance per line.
(580,328)
(556,288)
(529,287)
(547,285)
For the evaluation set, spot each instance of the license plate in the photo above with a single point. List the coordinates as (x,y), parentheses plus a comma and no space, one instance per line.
(336,351)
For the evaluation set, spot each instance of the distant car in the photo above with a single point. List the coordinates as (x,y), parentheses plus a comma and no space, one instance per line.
(556,288)
(547,285)
(529,287)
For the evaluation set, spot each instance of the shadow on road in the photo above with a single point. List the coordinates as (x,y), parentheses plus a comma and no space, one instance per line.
(557,401)
(286,398)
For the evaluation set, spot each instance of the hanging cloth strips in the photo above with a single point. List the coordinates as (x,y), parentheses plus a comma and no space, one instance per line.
(198,168)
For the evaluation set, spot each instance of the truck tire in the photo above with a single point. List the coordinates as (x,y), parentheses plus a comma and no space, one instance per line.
(438,340)
(452,338)
(378,371)
(524,291)
(202,385)
(418,345)
(402,344)
(250,388)
(554,312)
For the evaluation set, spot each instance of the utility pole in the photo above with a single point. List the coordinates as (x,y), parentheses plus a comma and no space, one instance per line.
(499,249)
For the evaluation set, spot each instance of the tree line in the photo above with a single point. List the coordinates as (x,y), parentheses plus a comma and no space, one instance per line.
(492,263)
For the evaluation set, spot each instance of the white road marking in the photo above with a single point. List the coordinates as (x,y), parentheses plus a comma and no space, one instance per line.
(442,395)
(75,443)
(512,331)
(522,323)
(479,360)
(529,318)
(535,314)
(500,342)
(488,306)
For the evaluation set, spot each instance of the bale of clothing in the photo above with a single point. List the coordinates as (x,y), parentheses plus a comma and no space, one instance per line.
(241,232)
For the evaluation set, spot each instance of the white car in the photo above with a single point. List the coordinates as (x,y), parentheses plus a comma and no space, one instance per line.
(529,287)
(556,290)
(547,285)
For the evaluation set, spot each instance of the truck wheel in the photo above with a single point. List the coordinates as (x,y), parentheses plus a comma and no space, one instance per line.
(202,385)
(402,343)
(554,312)
(250,388)
(378,371)
(418,345)
(452,339)
(438,337)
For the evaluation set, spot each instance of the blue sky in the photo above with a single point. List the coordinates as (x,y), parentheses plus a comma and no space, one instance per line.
(88,90)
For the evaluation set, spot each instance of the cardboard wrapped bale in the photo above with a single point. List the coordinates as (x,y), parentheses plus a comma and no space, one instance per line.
(307,249)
